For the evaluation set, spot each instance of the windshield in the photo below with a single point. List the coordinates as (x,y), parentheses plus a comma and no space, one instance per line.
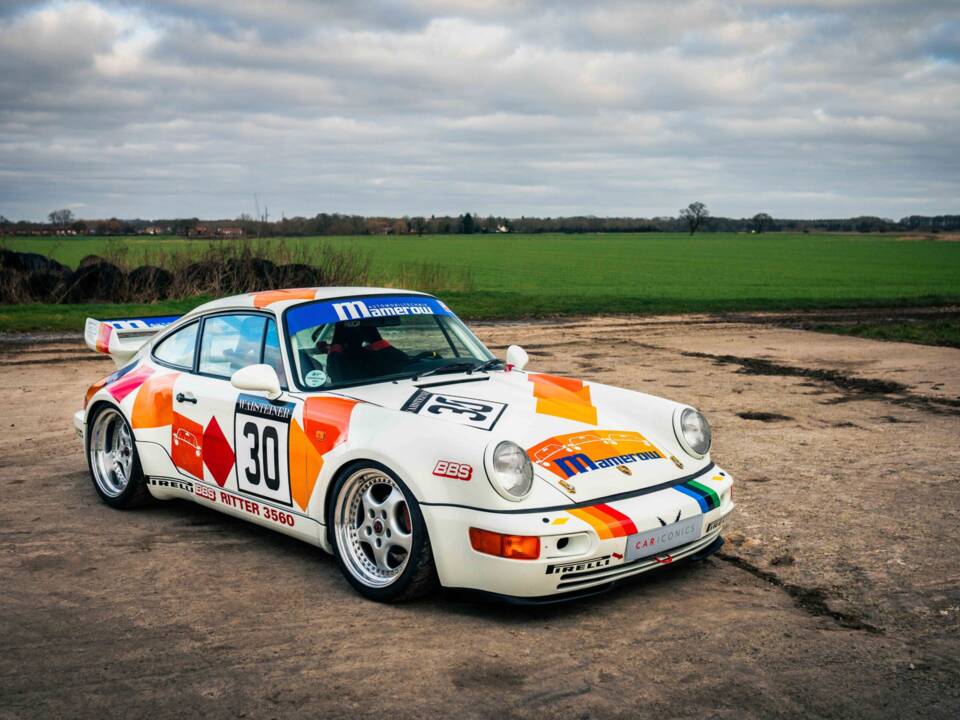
(359,341)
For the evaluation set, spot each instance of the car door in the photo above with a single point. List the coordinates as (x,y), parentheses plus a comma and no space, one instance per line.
(234,443)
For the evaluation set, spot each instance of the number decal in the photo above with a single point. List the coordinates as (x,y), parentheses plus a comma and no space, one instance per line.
(252,472)
(475,411)
(262,435)
(263,462)
(482,414)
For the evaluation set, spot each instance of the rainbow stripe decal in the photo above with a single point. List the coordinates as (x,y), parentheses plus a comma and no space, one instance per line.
(706,497)
(605,520)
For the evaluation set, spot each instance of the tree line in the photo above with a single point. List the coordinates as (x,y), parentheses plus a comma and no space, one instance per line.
(694,218)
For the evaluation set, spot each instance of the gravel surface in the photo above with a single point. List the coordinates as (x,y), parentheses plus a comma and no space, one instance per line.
(836,596)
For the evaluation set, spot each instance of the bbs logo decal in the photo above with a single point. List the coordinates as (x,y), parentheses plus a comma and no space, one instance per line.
(455,470)
(482,414)
(261,436)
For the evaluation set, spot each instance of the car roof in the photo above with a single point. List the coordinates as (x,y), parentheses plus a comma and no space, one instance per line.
(280,299)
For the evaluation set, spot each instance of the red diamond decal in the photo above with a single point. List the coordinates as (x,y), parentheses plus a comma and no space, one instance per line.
(217,453)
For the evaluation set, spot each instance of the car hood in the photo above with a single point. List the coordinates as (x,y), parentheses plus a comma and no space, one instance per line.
(587,440)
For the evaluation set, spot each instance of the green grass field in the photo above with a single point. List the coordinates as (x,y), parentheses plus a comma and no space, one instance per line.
(536,275)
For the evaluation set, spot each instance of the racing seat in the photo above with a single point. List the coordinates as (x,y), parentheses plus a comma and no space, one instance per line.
(360,352)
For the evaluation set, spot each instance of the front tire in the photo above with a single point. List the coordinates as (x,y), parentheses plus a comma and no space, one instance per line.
(379,537)
(113,460)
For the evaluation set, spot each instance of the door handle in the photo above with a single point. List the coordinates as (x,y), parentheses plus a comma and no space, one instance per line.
(188,398)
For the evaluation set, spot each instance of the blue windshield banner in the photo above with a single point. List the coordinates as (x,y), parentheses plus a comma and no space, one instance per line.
(320,313)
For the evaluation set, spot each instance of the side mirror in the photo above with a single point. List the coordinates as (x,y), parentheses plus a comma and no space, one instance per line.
(258,378)
(517,357)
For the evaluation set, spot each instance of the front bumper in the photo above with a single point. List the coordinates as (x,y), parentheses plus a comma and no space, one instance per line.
(576,555)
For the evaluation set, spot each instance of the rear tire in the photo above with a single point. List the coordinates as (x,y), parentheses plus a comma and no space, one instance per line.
(379,537)
(113,460)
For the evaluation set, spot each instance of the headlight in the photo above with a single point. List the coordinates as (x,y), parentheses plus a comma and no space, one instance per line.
(511,472)
(692,431)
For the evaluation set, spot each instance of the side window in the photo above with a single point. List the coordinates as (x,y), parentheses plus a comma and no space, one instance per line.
(271,351)
(178,349)
(230,342)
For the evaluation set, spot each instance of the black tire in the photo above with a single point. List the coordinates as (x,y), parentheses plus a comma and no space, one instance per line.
(135,492)
(418,578)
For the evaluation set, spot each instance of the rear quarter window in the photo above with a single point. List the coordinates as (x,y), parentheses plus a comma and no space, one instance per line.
(178,348)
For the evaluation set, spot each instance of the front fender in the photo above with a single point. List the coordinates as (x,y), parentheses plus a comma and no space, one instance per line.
(413,447)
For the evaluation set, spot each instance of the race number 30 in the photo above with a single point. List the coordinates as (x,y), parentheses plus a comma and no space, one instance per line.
(261,432)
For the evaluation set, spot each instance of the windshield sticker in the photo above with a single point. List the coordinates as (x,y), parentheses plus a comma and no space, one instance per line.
(319,313)
(577,453)
(315,378)
(482,414)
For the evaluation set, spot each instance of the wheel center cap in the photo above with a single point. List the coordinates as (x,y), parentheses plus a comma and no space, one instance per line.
(378,527)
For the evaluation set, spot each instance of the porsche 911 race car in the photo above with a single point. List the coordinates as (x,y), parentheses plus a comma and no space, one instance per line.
(374,424)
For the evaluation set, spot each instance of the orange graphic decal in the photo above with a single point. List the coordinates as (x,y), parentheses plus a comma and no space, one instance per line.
(608,522)
(325,425)
(153,406)
(576,453)
(94,389)
(305,464)
(563,397)
(326,420)
(186,444)
(268,297)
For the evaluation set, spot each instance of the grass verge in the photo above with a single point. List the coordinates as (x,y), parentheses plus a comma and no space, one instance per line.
(922,332)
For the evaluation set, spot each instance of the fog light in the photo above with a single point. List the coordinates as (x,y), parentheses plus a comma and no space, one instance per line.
(517,547)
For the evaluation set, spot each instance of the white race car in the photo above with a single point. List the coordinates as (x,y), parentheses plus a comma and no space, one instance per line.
(373,424)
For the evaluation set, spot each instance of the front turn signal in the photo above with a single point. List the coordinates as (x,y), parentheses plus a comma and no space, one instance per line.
(516,547)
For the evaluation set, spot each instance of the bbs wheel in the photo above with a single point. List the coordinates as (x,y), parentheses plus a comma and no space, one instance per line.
(380,539)
(113,460)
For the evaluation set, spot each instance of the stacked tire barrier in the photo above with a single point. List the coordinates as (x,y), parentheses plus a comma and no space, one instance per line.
(29,277)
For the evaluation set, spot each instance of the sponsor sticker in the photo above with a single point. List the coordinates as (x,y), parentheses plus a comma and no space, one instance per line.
(318,313)
(184,485)
(454,470)
(576,453)
(579,566)
(205,492)
(482,414)
(716,524)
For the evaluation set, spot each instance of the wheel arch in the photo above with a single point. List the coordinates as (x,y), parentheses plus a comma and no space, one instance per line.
(345,468)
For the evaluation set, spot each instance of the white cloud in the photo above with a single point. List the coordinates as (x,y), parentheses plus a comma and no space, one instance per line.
(168,108)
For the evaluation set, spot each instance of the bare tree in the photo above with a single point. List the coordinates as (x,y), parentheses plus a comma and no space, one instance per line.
(761,222)
(61,218)
(695,214)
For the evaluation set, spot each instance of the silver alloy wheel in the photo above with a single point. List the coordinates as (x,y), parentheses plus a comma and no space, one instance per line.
(373,526)
(111,452)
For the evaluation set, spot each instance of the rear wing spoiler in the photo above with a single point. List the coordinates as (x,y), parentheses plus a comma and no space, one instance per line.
(123,337)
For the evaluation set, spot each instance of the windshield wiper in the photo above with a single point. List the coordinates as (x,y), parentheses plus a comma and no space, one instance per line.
(449,367)
(485,365)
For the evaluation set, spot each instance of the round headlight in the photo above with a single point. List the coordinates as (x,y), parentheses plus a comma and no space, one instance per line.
(692,431)
(511,472)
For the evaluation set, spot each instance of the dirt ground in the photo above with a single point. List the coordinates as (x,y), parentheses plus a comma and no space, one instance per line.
(836,596)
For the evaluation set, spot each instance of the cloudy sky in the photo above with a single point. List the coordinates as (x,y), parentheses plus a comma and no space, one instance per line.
(622,107)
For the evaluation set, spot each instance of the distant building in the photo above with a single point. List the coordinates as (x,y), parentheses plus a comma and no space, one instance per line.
(155,230)
(231,232)
(502,228)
